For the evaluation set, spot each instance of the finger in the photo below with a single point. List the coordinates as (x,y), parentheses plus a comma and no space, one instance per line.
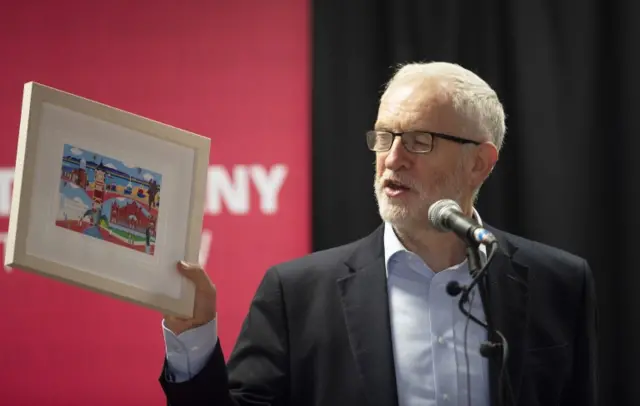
(186,266)
(194,272)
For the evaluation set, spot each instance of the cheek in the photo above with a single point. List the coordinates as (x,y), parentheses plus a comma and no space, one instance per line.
(380,163)
(431,176)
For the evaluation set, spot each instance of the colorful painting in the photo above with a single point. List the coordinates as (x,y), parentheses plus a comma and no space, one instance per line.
(110,200)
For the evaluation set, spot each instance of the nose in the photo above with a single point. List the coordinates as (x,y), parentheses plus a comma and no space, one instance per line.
(397,157)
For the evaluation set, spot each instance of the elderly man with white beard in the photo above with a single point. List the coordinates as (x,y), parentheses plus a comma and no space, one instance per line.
(372,322)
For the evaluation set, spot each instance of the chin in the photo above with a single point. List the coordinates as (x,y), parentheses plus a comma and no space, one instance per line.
(399,213)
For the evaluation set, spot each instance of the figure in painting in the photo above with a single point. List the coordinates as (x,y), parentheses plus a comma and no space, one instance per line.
(149,231)
(151,192)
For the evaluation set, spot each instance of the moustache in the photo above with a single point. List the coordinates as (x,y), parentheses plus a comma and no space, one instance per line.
(398,181)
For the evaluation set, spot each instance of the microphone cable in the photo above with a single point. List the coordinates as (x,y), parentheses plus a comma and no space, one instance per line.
(466,352)
(487,348)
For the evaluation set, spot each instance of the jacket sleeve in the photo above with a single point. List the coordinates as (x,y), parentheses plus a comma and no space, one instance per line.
(257,371)
(583,387)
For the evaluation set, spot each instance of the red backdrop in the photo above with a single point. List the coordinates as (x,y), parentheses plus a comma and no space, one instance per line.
(236,71)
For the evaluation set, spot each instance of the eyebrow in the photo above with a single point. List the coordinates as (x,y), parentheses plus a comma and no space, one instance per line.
(410,130)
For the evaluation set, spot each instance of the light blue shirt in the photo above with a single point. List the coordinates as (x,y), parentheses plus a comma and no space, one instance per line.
(189,352)
(427,330)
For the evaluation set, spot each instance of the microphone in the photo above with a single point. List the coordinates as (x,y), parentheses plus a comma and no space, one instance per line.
(454,288)
(446,215)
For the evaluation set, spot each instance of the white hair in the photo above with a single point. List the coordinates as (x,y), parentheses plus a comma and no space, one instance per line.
(471,97)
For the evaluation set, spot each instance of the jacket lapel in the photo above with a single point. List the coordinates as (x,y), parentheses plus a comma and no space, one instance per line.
(366,310)
(508,294)
(365,304)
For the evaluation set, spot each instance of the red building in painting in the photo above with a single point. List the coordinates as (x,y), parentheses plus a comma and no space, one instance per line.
(76,176)
(130,216)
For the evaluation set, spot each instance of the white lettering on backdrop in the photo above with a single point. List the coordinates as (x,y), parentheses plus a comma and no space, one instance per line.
(226,189)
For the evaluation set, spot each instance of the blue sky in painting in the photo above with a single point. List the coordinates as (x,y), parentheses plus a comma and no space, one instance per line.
(128,168)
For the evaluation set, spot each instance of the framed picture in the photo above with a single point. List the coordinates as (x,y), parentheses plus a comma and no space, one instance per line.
(106,200)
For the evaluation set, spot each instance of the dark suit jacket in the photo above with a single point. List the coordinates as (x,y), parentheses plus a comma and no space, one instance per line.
(318,332)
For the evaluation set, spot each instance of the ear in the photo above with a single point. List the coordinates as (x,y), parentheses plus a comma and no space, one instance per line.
(483,161)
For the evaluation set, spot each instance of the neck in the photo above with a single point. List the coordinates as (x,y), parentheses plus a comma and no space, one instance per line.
(437,249)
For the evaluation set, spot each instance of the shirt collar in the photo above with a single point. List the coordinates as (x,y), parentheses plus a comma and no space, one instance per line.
(393,245)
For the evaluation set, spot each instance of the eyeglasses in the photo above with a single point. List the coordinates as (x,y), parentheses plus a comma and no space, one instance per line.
(419,142)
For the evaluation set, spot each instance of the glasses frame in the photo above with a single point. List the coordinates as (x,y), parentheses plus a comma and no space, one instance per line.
(404,135)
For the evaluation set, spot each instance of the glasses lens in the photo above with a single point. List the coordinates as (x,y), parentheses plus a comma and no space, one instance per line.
(418,141)
(379,140)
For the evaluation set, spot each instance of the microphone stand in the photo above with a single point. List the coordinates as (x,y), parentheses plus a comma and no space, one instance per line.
(475,266)
(495,347)
(473,258)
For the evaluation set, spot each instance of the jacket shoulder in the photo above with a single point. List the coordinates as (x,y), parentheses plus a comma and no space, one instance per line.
(539,253)
(546,262)
(332,261)
(322,260)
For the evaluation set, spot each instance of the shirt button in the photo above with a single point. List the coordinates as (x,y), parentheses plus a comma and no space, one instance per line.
(441,340)
(445,397)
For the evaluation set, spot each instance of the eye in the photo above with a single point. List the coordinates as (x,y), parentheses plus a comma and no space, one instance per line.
(382,139)
(422,139)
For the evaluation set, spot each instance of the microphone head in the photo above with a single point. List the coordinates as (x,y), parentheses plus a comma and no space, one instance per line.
(439,211)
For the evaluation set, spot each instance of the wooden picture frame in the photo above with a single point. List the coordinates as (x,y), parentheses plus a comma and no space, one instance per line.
(75,217)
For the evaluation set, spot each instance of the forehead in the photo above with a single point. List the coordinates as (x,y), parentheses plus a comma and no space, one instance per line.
(415,105)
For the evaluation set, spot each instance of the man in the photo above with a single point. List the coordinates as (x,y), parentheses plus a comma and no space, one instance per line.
(371,322)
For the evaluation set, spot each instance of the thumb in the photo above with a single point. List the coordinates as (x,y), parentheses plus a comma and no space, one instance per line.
(194,272)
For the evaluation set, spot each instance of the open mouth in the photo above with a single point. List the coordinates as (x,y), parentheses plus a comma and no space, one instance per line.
(394,188)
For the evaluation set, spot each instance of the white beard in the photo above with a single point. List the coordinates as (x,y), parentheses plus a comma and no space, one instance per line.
(411,211)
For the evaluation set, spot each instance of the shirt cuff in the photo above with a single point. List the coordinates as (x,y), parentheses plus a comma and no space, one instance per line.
(188,352)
